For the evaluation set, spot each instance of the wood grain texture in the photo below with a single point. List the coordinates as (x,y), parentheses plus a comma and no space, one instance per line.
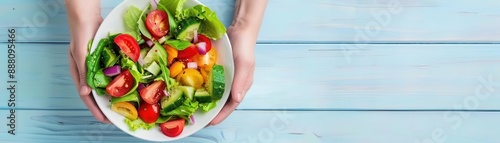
(312,77)
(273,126)
(315,21)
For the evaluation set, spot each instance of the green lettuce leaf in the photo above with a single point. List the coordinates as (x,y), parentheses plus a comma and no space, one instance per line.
(187,109)
(171,20)
(163,119)
(205,107)
(138,124)
(172,6)
(141,24)
(210,26)
(131,17)
(178,44)
(132,97)
(101,80)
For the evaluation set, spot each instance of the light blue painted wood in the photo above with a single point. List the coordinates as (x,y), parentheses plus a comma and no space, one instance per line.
(273,126)
(296,21)
(310,77)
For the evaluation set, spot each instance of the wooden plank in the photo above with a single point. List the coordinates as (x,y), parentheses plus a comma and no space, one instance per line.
(275,126)
(310,76)
(298,21)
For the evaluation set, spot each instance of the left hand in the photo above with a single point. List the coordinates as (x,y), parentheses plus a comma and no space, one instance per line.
(244,62)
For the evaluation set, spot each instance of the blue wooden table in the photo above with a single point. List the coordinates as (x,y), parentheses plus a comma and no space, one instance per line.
(403,71)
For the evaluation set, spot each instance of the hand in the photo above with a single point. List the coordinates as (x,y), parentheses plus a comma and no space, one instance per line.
(244,62)
(81,33)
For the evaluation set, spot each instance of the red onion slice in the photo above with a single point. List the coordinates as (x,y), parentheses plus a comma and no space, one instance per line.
(195,37)
(192,65)
(113,70)
(191,121)
(162,40)
(154,4)
(141,60)
(140,87)
(166,93)
(150,43)
(202,48)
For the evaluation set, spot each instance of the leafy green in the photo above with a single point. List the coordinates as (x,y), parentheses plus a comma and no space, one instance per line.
(127,63)
(210,26)
(132,97)
(131,17)
(173,6)
(138,124)
(101,91)
(101,80)
(205,107)
(171,20)
(178,44)
(187,109)
(93,62)
(163,119)
(140,22)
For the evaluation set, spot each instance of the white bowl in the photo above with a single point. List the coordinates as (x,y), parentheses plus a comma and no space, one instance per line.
(114,23)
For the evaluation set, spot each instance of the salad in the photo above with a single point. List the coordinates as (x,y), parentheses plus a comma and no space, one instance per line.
(163,68)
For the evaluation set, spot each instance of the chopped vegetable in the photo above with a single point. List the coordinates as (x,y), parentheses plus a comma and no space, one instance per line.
(113,70)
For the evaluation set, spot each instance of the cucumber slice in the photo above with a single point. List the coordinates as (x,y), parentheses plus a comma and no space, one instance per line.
(155,53)
(109,57)
(153,68)
(202,96)
(173,101)
(216,82)
(186,28)
(188,91)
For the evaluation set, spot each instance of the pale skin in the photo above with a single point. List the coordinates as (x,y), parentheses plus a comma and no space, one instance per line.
(84,17)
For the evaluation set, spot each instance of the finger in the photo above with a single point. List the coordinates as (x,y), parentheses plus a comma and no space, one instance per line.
(242,82)
(225,112)
(84,90)
(74,71)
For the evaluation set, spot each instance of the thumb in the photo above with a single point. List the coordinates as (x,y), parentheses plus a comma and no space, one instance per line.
(243,78)
(79,56)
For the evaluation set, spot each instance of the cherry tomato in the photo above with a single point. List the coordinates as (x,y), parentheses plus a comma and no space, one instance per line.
(176,68)
(157,23)
(125,109)
(189,52)
(128,45)
(152,93)
(121,84)
(149,113)
(171,53)
(208,60)
(190,77)
(203,38)
(172,128)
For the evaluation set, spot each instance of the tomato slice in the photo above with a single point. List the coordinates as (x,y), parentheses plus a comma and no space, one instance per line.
(190,77)
(157,23)
(125,109)
(149,113)
(121,84)
(208,60)
(176,68)
(172,128)
(128,45)
(171,53)
(152,93)
(203,38)
(187,53)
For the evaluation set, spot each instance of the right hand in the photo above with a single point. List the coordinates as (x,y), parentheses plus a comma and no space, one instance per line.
(81,33)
